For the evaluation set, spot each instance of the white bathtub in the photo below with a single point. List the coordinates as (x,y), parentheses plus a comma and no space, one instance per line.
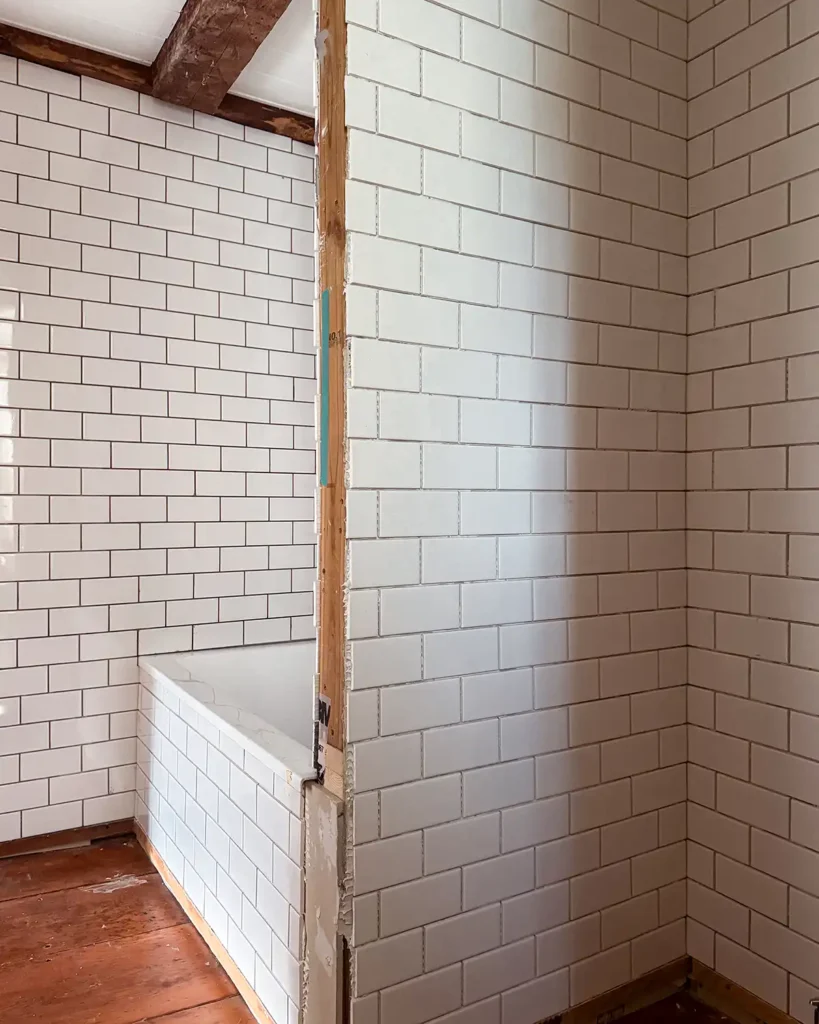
(261,695)
(224,744)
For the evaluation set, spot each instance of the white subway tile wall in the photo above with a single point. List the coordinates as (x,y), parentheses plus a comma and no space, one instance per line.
(156,419)
(230,831)
(517,203)
(582,241)
(753,475)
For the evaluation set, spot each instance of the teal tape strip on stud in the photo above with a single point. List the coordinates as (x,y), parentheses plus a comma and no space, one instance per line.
(324,425)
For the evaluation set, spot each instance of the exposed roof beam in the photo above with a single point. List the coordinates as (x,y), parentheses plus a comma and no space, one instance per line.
(209,47)
(79,60)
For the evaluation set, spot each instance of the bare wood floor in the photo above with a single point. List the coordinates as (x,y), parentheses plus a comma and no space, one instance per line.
(92,936)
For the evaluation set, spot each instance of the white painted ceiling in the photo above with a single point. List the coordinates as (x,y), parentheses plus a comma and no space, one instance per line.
(281,72)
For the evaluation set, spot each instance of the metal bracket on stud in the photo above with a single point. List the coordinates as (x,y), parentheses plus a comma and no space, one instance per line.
(815,1004)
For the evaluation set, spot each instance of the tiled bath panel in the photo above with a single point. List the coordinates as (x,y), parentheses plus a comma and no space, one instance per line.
(156,418)
(229,828)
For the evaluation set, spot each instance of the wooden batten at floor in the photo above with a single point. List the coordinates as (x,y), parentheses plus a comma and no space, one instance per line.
(80,60)
(628,998)
(733,1000)
(686,976)
(223,957)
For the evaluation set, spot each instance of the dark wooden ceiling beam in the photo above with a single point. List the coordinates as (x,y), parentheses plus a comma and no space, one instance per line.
(79,60)
(298,127)
(209,47)
(74,59)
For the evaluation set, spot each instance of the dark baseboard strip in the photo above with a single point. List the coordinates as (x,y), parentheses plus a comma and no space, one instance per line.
(69,837)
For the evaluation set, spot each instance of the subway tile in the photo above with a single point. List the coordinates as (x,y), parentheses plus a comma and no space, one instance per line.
(420,902)
(461,842)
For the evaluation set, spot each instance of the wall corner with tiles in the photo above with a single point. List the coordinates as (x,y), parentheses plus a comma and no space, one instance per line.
(156,283)
(753,482)
(517,282)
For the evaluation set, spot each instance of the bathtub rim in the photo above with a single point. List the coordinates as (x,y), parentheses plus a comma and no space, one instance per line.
(285,756)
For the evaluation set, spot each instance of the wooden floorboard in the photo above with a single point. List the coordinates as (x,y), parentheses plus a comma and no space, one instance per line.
(116,983)
(92,935)
(226,1011)
(39,873)
(38,927)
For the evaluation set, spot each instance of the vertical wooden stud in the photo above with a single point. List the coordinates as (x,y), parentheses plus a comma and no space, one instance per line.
(332,168)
